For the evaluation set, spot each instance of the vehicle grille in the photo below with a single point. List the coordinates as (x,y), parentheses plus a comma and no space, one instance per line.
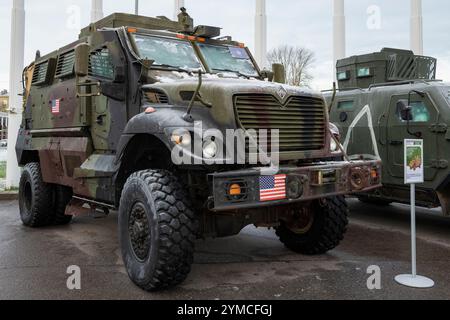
(301,120)
(155,96)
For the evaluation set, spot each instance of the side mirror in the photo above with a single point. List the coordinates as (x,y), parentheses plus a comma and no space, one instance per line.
(267,74)
(404,110)
(279,73)
(82,52)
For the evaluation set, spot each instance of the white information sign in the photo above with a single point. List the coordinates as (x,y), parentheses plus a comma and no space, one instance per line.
(414,172)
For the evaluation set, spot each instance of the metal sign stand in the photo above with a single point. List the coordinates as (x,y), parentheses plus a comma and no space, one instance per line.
(413,280)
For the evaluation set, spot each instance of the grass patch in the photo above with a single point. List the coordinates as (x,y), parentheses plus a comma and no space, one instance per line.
(2,170)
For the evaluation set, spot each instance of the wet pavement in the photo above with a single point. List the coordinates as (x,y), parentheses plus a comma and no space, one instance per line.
(253,265)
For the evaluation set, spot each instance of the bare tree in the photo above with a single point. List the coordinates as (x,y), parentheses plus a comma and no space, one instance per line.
(297,61)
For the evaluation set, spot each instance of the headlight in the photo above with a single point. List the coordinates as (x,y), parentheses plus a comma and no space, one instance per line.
(182,138)
(333,146)
(209,149)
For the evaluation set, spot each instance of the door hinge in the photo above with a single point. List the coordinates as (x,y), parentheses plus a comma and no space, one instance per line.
(93,84)
(439,128)
(439,164)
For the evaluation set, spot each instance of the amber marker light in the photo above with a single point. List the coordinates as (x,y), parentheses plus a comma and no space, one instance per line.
(150,110)
(374,174)
(132,30)
(235,190)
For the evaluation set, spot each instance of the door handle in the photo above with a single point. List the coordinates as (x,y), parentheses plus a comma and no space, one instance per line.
(99,119)
(396,143)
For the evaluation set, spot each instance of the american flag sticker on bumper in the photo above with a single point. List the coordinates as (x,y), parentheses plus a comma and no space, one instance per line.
(272,187)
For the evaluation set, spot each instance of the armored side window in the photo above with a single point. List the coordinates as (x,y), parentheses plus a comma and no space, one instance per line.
(343,75)
(365,72)
(65,64)
(101,64)
(419,112)
(346,105)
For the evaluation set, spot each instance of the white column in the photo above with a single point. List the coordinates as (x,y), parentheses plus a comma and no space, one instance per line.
(96,10)
(177,5)
(338,32)
(416,27)
(15,88)
(261,33)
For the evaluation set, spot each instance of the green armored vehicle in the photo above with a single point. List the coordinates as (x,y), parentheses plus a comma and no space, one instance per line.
(133,116)
(384,98)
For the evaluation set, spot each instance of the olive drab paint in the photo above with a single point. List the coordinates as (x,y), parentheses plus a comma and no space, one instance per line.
(84,118)
(104,113)
(369,111)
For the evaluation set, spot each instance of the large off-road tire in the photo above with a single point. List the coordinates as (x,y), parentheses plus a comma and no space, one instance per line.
(35,198)
(63,195)
(324,225)
(157,230)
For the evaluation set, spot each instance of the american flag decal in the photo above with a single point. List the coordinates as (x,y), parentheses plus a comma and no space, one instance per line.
(272,187)
(55,106)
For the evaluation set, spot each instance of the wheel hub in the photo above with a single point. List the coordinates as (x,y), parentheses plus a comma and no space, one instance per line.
(139,231)
(301,220)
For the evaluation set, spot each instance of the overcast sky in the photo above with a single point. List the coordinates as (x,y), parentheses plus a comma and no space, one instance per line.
(371,25)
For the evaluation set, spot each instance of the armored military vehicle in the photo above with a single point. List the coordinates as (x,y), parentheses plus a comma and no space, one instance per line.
(384,98)
(107,116)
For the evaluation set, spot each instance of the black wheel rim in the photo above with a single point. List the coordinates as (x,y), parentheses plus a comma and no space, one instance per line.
(139,231)
(301,220)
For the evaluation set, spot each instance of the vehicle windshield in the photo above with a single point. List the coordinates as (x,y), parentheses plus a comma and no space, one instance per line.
(228,58)
(167,52)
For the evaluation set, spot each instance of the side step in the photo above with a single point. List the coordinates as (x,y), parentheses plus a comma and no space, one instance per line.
(79,206)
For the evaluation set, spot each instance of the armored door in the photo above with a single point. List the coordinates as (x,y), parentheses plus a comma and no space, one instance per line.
(423,119)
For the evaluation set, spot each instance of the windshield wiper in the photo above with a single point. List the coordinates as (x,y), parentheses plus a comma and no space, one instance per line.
(234,71)
(174,68)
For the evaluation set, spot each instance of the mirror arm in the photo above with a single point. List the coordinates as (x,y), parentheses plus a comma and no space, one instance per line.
(333,98)
(187,116)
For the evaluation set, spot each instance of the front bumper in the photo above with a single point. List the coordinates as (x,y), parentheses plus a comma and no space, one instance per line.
(315,181)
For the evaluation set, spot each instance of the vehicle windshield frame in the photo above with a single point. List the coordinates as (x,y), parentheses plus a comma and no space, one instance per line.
(169,37)
(216,70)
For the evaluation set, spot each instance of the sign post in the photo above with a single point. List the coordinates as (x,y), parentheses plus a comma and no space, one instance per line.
(414,174)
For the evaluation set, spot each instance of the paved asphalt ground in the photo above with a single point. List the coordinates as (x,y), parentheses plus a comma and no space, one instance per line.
(253,265)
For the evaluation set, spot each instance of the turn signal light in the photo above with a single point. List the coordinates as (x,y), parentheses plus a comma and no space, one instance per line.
(132,30)
(235,190)
(150,110)
(374,173)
